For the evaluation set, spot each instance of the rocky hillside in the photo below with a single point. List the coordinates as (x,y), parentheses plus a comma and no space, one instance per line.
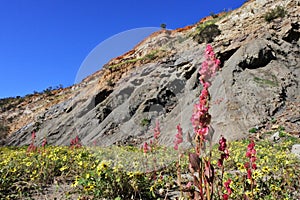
(258,84)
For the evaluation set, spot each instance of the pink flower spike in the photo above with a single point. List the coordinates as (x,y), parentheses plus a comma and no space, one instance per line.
(44,142)
(176,146)
(189,184)
(203,131)
(225,196)
(157,130)
(249,173)
(227,186)
(222,143)
(178,137)
(33,135)
(95,142)
(145,147)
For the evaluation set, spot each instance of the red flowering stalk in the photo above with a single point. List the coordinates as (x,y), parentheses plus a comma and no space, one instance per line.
(224,151)
(75,143)
(32,147)
(156,130)
(209,67)
(201,117)
(228,189)
(201,124)
(44,143)
(201,121)
(224,155)
(251,165)
(95,142)
(156,134)
(178,137)
(146,147)
(33,135)
(178,140)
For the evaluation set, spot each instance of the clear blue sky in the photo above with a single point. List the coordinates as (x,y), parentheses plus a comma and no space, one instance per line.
(44,42)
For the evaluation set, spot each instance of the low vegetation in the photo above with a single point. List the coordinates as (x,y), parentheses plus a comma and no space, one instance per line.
(9,103)
(145,122)
(148,57)
(215,18)
(128,172)
(262,81)
(277,12)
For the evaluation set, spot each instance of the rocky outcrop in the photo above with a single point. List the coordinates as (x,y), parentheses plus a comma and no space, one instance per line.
(158,80)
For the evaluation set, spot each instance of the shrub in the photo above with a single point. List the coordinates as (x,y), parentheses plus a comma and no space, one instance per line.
(145,122)
(213,15)
(4,128)
(207,33)
(253,130)
(163,26)
(110,82)
(277,12)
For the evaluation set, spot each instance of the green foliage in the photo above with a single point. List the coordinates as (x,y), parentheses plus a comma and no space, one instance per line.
(152,55)
(253,130)
(148,57)
(273,120)
(181,39)
(207,30)
(6,101)
(125,62)
(48,91)
(202,26)
(163,26)
(145,122)
(10,103)
(281,128)
(4,130)
(261,81)
(277,12)
(110,82)
(213,15)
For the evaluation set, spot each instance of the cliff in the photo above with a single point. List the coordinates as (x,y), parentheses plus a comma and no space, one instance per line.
(158,80)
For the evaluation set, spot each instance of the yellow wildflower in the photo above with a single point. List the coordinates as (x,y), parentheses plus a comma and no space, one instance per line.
(266,169)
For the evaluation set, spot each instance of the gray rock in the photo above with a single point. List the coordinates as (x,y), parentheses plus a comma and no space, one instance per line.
(296,150)
(275,136)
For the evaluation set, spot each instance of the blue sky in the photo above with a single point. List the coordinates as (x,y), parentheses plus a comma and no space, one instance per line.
(44,43)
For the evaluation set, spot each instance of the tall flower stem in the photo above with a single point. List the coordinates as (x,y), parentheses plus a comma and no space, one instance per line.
(178,165)
(201,123)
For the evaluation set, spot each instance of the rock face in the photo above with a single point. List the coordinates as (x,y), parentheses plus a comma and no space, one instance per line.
(158,80)
(296,150)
